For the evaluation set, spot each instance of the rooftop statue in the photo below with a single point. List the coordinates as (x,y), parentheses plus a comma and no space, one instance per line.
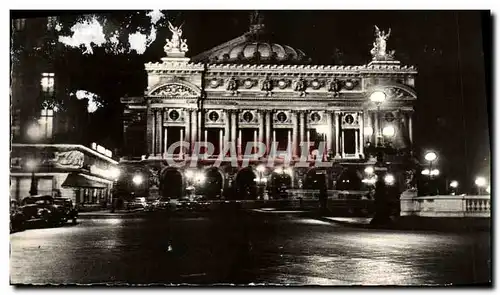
(379,51)
(176,44)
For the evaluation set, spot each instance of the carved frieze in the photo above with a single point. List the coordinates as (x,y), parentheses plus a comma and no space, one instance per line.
(214,83)
(335,86)
(248,117)
(174,115)
(282,117)
(300,86)
(316,117)
(396,93)
(282,83)
(248,83)
(315,84)
(174,90)
(267,85)
(214,117)
(350,120)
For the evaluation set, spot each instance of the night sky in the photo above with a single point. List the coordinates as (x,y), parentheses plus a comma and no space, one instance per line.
(452,51)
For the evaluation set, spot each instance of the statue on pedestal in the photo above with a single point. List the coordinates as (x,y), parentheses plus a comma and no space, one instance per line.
(176,44)
(380,46)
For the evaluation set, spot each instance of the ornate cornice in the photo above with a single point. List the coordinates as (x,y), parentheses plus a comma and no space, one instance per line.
(313,69)
(173,65)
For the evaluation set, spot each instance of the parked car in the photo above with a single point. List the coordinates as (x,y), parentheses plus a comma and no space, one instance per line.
(137,203)
(193,204)
(41,209)
(161,203)
(184,204)
(201,204)
(68,209)
(17,217)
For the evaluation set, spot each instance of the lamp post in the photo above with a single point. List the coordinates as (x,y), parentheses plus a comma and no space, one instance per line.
(114,173)
(32,165)
(454,186)
(430,157)
(260,170)
(480,183)
(190,175)
(33,133)
(137,179)
(378,97)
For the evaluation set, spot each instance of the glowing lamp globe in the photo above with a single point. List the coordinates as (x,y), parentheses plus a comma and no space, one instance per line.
(378,97)
(388,131)
(430,156)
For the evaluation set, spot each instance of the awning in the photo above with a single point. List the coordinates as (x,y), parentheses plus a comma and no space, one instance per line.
(79,180)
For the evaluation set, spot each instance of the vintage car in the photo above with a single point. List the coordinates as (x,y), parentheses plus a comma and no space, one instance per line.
(162,203)
(137,203)
(41,209)
(69,210)
(17,217)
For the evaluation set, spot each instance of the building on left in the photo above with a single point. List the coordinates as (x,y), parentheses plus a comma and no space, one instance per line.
(50,151)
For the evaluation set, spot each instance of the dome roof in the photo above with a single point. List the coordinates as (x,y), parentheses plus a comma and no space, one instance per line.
(258,52)
(253,47)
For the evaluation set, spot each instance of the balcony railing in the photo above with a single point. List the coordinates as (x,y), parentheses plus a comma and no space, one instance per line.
(446,206)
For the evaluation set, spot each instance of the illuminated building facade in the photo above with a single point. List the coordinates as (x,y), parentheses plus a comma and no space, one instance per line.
(328,122)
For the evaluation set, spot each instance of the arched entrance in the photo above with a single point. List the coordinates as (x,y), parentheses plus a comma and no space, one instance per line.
(171,183)
(279,184)
(349,180)
(315,179)
(245,185)
(213,183)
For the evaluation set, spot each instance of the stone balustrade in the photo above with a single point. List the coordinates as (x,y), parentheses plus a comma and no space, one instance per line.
(445,206)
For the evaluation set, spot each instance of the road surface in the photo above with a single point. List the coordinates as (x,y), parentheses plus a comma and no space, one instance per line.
(244,248)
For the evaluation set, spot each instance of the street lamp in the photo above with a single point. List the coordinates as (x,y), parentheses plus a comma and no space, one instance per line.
(388,131)
(369,170)
(480,183)
(34,132)
(114,173)
(453,186)
(137,179)
(389,179)
(261,180)
(32,165)
(431,157)
(200,177)
(378,97)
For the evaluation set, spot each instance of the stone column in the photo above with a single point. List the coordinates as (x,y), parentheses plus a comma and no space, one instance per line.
(329,134)
(268,130)
(356,142)
(295,134)
(227,129)
(410,127)
(303,128)
(234,129)
(337,135)
(158,133)
(150,130)
(187,125)
(261,126)
(376,130)
(372,125)
(165,147)
(194,127)
(361,135)
(201,118)
(221,141)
